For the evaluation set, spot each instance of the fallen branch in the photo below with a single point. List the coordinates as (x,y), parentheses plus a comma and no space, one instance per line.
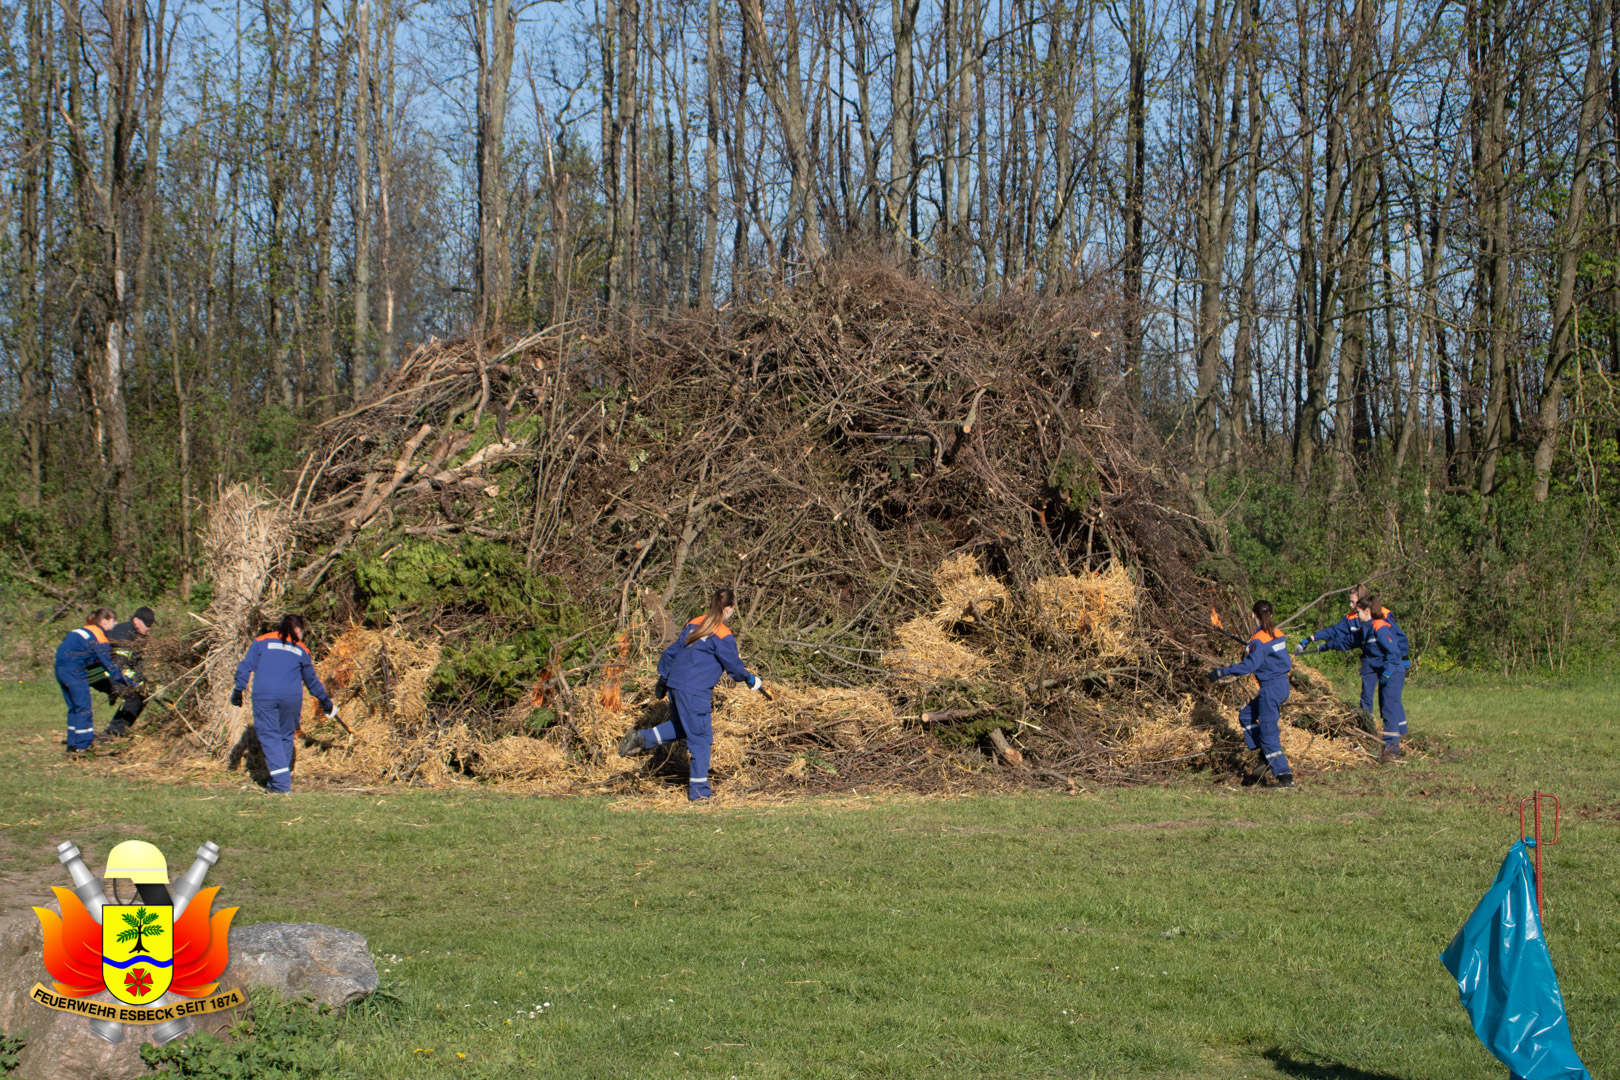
(1347,588)
(999,739)
(367,509)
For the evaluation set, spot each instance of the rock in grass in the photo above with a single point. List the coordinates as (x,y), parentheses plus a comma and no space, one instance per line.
(328,965)
(324,963)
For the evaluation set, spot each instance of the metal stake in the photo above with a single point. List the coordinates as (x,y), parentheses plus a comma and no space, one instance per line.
(1534,839)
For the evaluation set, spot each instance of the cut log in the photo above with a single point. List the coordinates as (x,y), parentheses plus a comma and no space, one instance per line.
(1006,749)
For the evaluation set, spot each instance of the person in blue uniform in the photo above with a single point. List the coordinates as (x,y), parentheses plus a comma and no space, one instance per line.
(1349,633)
(85,657)
(1383,653)
(1268,661)
(689,670)
(281,668)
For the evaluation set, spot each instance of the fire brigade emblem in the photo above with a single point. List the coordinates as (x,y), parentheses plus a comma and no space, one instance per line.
(137,951)
(159,958)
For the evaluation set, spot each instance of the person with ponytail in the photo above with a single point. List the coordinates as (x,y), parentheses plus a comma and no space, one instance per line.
(85,657)
(1350,632)
(1268,661)
(1383,651)
(689,670)
(281,668)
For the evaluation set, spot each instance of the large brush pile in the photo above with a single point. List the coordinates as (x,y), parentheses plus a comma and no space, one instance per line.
(959,553)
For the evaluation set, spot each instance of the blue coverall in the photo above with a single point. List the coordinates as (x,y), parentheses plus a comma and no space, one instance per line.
(1383,668)
(1348,633)
(1385,643)
(281,670)
(1268,661)
(691,674)
(84,656)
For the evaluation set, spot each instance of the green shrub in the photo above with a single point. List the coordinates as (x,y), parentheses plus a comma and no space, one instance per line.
(512,623)
(10,1049)
(1504,584)
(283,1040)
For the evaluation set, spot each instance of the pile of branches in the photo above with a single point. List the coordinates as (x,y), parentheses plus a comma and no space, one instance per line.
(824,452)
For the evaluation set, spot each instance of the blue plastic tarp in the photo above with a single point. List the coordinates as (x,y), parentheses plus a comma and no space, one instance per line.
(1505,977)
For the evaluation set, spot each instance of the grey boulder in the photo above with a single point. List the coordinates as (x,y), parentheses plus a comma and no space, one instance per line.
(297,960)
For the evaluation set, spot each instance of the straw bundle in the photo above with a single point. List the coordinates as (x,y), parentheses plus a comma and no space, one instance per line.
(245,545)
(849,718)
(1193,727)
(1174,734)
(518,757)
(376,675)
(1097,609)
(599,722)
(1156,741)
(380,681)
(1311,751)
(926,654)
(965,594)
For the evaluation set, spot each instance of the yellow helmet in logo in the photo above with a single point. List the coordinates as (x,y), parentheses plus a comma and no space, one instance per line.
(139,862)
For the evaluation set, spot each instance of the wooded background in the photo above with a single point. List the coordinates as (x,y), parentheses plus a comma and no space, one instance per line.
(1368,252)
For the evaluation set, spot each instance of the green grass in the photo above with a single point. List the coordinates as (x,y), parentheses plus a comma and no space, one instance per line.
(1185,930)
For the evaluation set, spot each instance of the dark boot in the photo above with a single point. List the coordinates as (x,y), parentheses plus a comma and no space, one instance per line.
(1255,768)
(631,744)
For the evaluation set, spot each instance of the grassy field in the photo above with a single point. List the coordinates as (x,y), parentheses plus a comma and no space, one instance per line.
(1183,930)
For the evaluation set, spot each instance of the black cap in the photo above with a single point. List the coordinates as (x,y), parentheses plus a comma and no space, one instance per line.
(145,615)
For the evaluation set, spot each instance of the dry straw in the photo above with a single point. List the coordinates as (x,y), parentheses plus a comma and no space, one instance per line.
(926,654)
(246,545)
(846,718)
(1173,734)
(966,594)
(1096,610)
(1183,734)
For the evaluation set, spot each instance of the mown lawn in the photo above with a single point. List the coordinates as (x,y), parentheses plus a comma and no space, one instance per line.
(1184,930)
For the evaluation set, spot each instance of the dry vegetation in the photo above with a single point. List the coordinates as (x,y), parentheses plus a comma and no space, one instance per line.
(962,563)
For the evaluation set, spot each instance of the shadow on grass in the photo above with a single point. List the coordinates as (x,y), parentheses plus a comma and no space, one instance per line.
(1289,1065)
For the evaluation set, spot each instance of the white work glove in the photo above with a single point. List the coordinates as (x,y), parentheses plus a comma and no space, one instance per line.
(1300,648)
(758,685)
(331,711)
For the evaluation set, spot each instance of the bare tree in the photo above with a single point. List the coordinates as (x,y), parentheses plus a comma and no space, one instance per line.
(785,89)
(1570,246)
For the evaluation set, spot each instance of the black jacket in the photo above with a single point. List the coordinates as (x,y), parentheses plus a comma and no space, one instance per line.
(127,645)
